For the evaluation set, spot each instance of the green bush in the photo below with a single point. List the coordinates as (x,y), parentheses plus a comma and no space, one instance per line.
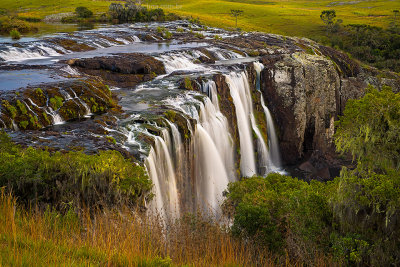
(278,210)
(15,34)
(370,129)
(83,12)
(102,180)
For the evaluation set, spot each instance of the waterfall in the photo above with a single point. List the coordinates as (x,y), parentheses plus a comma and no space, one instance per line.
(273,143)
(211,176)
(216,125)
(159,165)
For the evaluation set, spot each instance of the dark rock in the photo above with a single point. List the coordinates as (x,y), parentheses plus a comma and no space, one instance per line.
(123,70)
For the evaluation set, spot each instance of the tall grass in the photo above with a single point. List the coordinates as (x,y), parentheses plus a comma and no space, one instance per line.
(37,238)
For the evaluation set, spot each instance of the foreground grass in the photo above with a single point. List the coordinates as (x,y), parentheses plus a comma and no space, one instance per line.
(34,238)
(294,18)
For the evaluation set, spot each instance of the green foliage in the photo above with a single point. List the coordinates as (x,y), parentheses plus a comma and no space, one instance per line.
(15,34)
(56,102)
(105,179)
(167,35)
(370,129)
(130,12)
(328,16)
(15,26)
(268,209)
(10,108)
(22,108)
(23,124)
(188,83)
(83,12)
(367,207)
(170,115)
(374,45)
(111,140)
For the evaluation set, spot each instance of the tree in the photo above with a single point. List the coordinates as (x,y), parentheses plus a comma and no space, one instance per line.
(370,130)
(328,17)
(236,13)
(83,12)
(396,13)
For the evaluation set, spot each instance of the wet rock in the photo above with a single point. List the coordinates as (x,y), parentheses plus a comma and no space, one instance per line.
(123,70)
(300,90)
(48,104)
(72,45)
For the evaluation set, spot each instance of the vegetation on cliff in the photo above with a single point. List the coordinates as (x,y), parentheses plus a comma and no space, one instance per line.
(355,217)
(71,180)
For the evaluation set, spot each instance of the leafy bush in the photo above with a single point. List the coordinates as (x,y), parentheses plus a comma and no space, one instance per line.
(281,212)
(8,24)
(370,129)
(102,180)
(15,34)
(83,12)
(131,12)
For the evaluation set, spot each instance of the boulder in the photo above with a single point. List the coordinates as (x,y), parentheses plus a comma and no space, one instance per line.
(123,70)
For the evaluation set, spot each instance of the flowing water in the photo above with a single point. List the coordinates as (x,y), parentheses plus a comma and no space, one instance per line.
(182,136)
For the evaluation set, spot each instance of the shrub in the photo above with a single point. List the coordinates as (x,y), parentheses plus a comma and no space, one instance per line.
(102,180)
(83,12)
(15,34)
(280,212)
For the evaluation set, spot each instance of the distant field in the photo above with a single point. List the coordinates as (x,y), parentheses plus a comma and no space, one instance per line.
(288,17)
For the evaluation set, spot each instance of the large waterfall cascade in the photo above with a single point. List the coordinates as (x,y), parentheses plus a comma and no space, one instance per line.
(212,148)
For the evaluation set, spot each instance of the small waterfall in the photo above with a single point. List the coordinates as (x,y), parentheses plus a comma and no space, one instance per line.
(161,171)
(216,125)
(211,176)
(273,143)
(181,61)
(242,101)
(241,95)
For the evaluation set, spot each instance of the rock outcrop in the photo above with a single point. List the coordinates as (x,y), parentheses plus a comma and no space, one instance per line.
(123,70)
(49,104)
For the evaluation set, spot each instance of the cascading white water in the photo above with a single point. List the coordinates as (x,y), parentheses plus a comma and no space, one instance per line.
(241,95)
(273,144)
(180,61)
(216,125)
(242,101)
(161,171)
(211,176)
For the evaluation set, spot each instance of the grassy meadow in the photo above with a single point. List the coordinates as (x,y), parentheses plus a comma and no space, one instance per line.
(293,18)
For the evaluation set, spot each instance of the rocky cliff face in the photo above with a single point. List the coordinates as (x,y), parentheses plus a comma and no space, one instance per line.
(306,93)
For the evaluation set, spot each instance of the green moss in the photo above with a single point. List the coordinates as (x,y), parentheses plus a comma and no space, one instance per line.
(34,121)
(22,108)
(170,115)
(111,139)
(46,118)
(188,83)
(56,102)
(10,108)
(23,124)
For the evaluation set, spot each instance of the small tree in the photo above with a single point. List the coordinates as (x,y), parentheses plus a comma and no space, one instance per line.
(328,17)
(236,13)
(396,13)
(83,12)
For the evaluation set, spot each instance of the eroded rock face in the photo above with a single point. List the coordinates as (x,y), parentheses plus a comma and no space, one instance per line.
(300,90)
(123,70)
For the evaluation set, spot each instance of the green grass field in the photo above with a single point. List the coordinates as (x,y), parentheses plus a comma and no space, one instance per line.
(294,18)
